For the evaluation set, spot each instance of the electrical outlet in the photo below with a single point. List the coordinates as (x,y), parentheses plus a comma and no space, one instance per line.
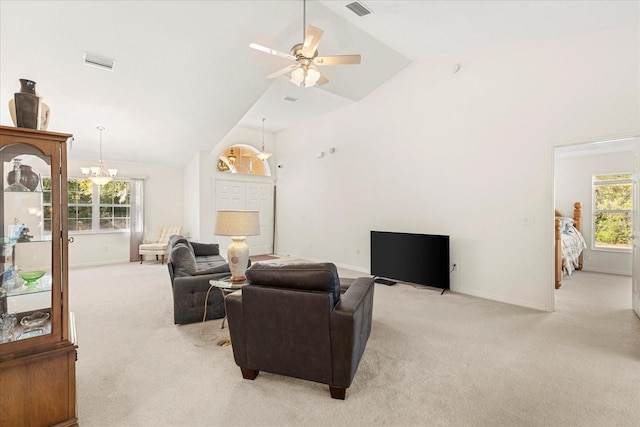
(106,248)
(357,251)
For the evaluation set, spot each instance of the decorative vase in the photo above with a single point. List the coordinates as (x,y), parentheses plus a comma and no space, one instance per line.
(27,105)
(19,182)
(27,109)
(28,177)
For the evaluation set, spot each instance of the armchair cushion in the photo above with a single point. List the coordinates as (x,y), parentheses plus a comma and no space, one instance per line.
(308,276)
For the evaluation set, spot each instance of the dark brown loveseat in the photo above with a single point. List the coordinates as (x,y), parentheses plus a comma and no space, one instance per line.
(293,320)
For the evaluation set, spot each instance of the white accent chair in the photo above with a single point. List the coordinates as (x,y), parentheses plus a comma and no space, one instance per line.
(160,246)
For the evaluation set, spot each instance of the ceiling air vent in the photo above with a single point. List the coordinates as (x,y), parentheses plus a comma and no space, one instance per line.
(98,61)
(358,8)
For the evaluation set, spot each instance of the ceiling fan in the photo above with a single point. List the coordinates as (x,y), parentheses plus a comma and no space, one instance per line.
(304,72)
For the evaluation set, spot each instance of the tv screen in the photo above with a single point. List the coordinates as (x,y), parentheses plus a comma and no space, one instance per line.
(415,258)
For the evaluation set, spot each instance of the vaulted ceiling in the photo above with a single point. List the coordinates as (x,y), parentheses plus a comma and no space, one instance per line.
(184,75)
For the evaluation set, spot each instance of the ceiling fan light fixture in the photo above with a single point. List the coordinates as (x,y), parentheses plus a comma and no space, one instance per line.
(311,78)
(297,76)
(305,78)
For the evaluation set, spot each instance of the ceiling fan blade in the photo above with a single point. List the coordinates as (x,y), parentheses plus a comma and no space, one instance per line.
(311,40)
(322,80)
(271,51)
(283,71)
(337,60)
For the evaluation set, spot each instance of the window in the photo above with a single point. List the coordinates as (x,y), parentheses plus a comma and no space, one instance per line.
(110,210)
(115,208)
(612,211)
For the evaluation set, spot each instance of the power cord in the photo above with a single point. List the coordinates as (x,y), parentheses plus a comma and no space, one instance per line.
(210,338)
(207,338)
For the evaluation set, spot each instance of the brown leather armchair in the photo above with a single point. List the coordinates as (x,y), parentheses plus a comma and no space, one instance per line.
(292,319)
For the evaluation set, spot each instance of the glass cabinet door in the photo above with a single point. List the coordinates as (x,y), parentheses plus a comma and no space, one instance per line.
(27,297)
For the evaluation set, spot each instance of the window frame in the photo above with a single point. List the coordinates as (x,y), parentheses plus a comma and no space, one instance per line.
(595,212)
(96,206)
(112,206)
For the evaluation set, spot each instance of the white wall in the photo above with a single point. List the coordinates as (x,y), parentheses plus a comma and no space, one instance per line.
(164,203)
(573,184)
(467,154)
(192,197)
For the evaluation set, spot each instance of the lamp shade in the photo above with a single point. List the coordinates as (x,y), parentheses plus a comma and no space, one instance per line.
(237,223)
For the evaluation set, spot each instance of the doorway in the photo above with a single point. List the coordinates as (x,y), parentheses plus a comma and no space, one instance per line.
(574,168)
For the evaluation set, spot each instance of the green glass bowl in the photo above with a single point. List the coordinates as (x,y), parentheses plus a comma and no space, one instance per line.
(31,276)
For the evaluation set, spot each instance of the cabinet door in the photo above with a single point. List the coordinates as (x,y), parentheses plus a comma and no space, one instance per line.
(30,288)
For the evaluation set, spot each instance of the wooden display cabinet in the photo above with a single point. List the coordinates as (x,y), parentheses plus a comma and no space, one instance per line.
(37,333)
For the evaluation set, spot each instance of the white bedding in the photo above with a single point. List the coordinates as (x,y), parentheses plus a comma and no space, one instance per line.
(572,246)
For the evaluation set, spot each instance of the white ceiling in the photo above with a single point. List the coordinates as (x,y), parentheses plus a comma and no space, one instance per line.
(184,75)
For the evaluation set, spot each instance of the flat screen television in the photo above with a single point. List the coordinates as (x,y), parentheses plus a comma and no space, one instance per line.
(422,259)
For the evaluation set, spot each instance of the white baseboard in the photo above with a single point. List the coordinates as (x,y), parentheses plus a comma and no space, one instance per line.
(99,263)
(606,271)
(499,298)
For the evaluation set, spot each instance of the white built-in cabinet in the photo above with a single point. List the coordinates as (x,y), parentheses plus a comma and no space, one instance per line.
(248,195)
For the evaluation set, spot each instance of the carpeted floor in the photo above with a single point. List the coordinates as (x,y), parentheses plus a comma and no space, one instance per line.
(449,360)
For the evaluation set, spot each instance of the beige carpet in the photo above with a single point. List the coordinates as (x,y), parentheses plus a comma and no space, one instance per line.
(431,360)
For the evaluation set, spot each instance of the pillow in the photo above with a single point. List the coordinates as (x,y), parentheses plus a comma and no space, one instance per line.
(183,260)
(205,249)
(565,223)
(175,239)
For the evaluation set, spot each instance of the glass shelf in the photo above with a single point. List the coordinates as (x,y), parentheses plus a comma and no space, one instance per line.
(7,190)
(26,331)
(43,284)
(9,241)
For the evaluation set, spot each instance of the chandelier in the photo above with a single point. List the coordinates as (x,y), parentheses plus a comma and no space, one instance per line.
(263,155)
(99,174)
(231,157)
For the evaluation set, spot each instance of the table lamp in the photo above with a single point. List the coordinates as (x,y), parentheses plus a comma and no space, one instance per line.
(237,225)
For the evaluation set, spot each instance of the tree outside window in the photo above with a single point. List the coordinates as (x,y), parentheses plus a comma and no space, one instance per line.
(109,211)
(612,220)
(115,199)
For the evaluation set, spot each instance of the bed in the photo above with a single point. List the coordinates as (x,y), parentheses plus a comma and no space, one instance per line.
(569,243)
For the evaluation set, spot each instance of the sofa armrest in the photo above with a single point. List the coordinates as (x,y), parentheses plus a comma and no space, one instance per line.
(350,329)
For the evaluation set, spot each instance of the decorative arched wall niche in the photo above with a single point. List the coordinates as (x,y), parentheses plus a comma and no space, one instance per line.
(242,159)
